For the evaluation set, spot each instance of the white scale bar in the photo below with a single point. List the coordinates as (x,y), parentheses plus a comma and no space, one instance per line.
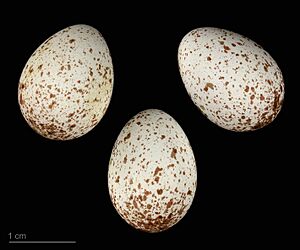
(42,242)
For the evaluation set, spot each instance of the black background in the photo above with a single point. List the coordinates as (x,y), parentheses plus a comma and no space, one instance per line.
(58,190)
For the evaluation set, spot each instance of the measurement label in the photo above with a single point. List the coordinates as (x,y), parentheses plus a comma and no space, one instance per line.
(21,238)
(17,236)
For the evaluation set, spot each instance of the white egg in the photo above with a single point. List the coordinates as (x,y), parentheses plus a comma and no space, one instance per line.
(66,85)
(230,78)
(152,172)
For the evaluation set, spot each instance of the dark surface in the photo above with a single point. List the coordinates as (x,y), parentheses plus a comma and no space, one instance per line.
(58,190)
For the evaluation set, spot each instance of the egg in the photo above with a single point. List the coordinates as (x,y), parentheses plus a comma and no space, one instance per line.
(152,172)
(230,78)
(66,85)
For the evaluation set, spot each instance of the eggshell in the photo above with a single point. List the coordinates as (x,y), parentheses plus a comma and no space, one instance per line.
(66,85)
(230,78)
(152,172)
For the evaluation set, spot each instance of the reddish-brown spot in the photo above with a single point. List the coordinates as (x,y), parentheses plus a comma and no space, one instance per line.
(226,48)
(247,88)
(208,58)
(159,191)
(22,86)
(189,192)
(163,137)
(262,97)
(51,106)
(157,170)
(146,192)
(276,104)
(266,68)
(127,137)
(252,97)
(125,159)
(173,153)
(149,206)
(72,41)
(156,179)
(171,165)
(117,179)
(170,203)
(135,204)
(22,102)
(208,85)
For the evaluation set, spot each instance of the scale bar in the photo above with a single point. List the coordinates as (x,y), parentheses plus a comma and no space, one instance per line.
(41,242)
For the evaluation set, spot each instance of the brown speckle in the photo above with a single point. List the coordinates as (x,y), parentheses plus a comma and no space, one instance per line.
(51,106)
(171,165)
(157,170)
(159,191)
(208,85)
(135,204)
(170,203)
(173,153)
(226,48)
(22,102)
(127,137)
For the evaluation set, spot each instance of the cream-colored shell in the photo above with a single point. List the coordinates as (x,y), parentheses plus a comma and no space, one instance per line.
(152,172)
(230,78)
(66,85)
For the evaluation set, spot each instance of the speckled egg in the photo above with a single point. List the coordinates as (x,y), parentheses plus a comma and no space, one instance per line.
(67,83)
(230,78)
(152,173)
